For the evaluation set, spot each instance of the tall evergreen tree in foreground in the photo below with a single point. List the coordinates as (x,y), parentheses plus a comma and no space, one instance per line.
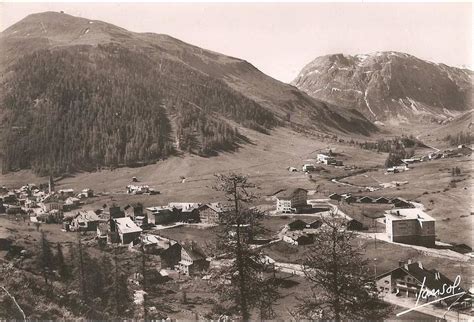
(341,283)
(46,260)
(249,288)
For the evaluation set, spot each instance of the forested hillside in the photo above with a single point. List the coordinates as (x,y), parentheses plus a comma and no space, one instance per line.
(86,107)
(78,94)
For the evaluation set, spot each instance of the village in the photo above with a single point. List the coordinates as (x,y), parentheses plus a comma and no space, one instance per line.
(179,234)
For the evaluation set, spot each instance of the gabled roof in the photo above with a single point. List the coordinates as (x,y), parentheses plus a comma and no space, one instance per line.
(125,225)
(297,223)
(433,279)
(215,206)
(289,193)
(87,216)
(194,251)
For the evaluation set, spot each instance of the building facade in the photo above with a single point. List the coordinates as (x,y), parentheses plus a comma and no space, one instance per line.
(410,226)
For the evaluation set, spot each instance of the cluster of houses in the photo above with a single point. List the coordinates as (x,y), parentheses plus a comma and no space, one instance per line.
(461,150)
(349,198)
(135,215)
(41,203)
(328,159)
(139,190)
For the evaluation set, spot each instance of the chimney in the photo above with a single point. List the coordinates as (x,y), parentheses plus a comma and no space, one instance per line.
(405,266)
(409,261)
(420,265)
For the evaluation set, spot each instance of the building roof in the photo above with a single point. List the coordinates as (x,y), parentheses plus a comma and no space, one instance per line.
(184,206)
(159,208)
(434,280)
(408,214)
(215,206)
(289,193)
(125,225)
(194,251)
(87,216)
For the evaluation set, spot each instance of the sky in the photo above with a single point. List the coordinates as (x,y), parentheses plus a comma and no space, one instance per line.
(281,38)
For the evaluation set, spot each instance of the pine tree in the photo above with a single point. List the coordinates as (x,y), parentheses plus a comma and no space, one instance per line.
(63,269)
(342,286)
(46,259)
(249,288)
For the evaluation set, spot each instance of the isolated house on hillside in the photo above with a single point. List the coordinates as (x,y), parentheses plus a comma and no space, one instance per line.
(335,196)
(410,226)
(292,200)
(407,280)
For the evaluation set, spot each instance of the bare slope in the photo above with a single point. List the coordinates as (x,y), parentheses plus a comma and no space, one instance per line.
(389,85)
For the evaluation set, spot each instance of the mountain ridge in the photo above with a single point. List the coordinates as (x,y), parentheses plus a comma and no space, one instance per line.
(388,85)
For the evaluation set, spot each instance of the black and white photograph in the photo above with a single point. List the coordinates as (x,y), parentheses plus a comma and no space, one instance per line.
(236,161)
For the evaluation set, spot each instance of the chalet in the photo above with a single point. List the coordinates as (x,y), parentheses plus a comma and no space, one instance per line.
(365,199)
(89,193)
(103,229)
(349,198)
(52,202)
(193,260)
(410,226)
(314,224)
(291,201)
(297,238)
(335,196)
(408,278)
(401,203)
(210,213)
(126,229)
(186,211)
(354,225)
(382,200)
(297,224)
(66,192)
(72,202)
(160,215)
(115,212)
(138,190)
(170,255)
(133,210)
(85,221)
(326,159)
(308,167)
(292,169)
(461,248)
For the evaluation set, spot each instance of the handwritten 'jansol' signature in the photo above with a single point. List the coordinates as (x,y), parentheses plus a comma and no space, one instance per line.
(446,291)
